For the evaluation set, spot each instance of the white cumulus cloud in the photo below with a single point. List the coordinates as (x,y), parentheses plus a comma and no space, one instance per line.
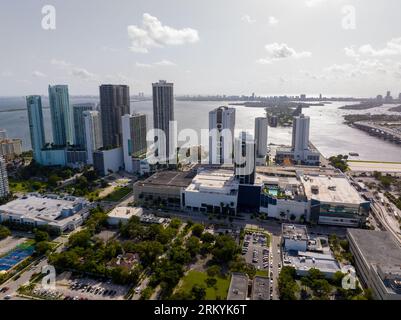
(273,20)
(162,63)
(392,48)
(74,70)
(38,74)
(278,51)
(82,74)
(247,18)
(153,34)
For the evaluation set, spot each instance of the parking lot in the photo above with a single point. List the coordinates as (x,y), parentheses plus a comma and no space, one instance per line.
(256,251)
(82,289)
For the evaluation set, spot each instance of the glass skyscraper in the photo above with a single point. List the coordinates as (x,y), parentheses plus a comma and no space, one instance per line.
(60,110)
(114,103)
(79,123)
(36,126)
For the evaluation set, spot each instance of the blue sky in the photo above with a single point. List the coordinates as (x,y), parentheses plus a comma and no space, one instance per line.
(203,46)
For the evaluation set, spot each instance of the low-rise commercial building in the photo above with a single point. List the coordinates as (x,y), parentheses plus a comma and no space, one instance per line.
(238,287)
(304,253)
(378,262)
(123,214)
(303,261)
(283,198)
(163,189)
(295,237)
(307,195)
(260,288)
(334,201)
(212,191)
(60,213)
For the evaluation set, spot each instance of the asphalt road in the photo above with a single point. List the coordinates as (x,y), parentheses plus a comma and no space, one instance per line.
(275,243)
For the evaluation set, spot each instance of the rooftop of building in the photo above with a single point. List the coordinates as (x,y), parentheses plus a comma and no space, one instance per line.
(46,208)
(295,232)
(260,288)
(280,187)
(377,247)
(238,287)
(304,261)
(125,212)
(214,181)
(169,179)
(331,189)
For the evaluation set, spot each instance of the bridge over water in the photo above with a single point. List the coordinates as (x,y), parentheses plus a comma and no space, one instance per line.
(380,131)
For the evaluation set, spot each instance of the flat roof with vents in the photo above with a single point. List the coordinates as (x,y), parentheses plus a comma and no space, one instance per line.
(330,189)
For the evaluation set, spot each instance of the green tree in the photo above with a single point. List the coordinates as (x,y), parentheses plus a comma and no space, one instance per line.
(207,237)
(41,236)
(197,230)
(42,247)
(193,246)
(198,292)
(80,239)
(287,285)
(225,249)
(213,271)
(4,232)
(53,180)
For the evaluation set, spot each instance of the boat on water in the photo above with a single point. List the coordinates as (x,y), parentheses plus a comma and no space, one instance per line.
(354,154)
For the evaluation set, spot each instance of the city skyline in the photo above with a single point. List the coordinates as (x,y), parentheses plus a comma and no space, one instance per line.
(151,40)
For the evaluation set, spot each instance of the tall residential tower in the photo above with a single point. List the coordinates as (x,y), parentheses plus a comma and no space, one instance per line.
(300,137)
(261,132)
(163,112)
(114,103)
(93,133)
(4,188)
(36,126)
(134,138)
(61,116)
(79,123)
(221,139)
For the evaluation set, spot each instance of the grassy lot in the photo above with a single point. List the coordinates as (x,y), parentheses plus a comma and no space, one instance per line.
(262,273)
(26,186)
(195,277)
(118,194)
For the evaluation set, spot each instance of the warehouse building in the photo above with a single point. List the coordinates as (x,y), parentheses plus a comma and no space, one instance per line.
(60,213)
(378,262)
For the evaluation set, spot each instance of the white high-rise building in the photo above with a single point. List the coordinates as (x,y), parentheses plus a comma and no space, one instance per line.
(134,138)
(300,137)
(4,188)
(261,132)
(93,133)
(163,113)
(221,139)
(3,134)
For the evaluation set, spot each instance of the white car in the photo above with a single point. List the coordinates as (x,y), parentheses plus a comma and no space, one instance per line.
(138,290)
